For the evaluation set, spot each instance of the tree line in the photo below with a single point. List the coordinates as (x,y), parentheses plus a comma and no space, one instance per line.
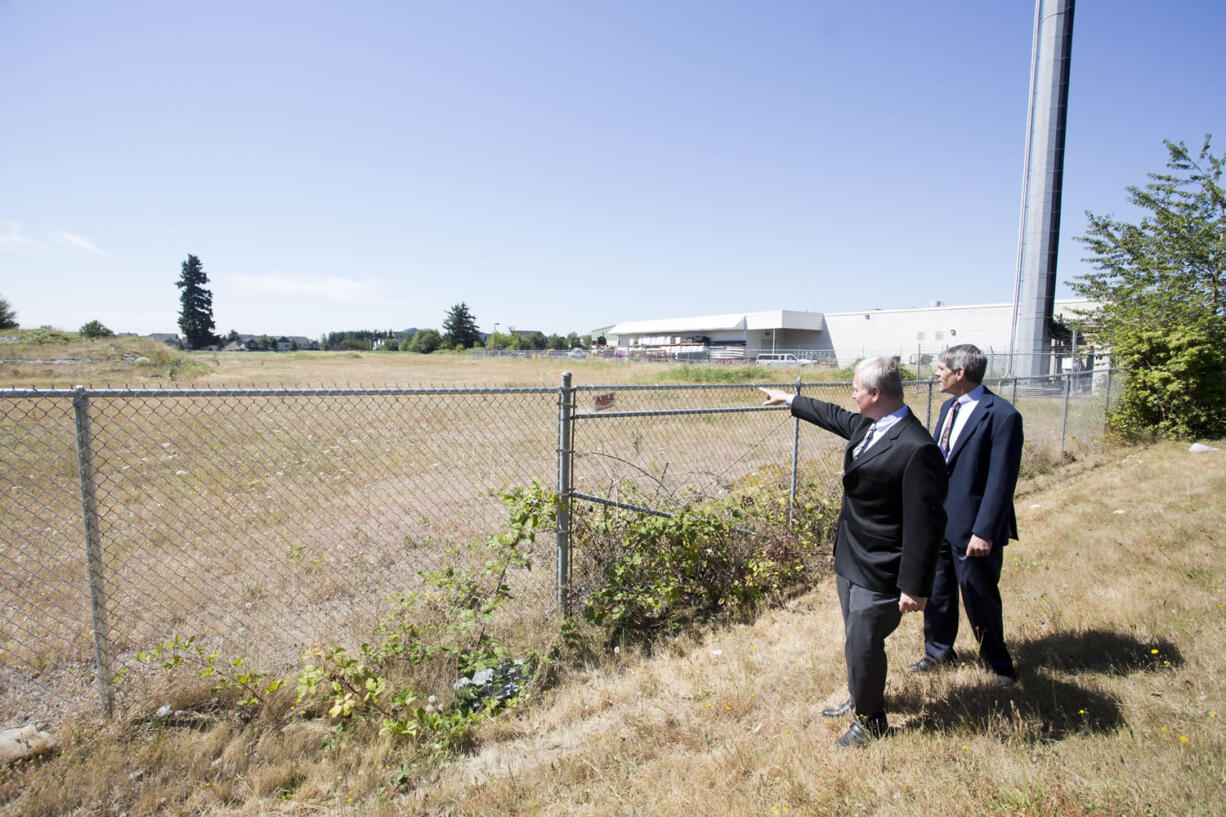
(459,329)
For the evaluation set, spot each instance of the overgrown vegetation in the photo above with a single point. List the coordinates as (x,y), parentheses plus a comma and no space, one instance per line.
(100,359)
(438,665)
(1119,710)
(1160,290)
(651,576)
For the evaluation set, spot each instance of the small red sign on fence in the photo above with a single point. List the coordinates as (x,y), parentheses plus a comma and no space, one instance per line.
(604,402)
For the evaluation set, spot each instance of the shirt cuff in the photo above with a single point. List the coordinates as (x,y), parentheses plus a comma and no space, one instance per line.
(788,400)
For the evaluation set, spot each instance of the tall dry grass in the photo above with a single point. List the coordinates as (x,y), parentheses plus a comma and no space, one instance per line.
(1114,609)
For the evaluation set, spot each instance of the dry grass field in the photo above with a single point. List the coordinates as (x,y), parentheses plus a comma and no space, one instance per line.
(1115,609)
(267,522)
(114,362)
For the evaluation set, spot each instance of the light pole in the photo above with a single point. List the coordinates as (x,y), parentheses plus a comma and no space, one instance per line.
(494,337)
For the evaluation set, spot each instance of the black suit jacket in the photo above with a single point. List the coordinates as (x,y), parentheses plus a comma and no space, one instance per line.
(983,467)
(893,515)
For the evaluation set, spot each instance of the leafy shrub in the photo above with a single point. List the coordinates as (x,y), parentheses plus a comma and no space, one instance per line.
(95,329)
(426,341)
(655,575)
(1176,383)
(442,631)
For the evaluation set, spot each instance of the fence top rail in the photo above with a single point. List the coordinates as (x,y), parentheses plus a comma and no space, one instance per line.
(680,386)
(808,384)
(82,391)
(277,391)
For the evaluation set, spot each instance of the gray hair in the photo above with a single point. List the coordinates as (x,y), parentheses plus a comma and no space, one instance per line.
(880,373)
(968,358)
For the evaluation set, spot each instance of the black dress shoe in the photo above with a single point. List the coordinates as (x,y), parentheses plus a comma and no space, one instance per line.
(928,663)
(862,732)
(838,711)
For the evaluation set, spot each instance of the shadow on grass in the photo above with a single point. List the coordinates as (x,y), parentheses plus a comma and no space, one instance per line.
(1042,707)
(1039,709)
(1103,651)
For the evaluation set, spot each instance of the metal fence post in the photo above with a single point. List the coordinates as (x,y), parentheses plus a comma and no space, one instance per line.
(928,414)
(1013,399)
(1068,384)
(795,462)
(1107,400)
(565,459)
(93,551)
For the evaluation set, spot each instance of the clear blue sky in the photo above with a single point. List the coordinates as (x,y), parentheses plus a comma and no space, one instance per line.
(558,165)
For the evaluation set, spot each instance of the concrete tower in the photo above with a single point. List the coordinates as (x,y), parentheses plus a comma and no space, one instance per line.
(1039,234)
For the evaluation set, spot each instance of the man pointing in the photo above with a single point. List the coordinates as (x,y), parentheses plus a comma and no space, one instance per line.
(889,532)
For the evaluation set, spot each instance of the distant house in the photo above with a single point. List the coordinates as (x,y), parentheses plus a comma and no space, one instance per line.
(393,342)
(301,343)
(169,339)
(243,343)
(255,343)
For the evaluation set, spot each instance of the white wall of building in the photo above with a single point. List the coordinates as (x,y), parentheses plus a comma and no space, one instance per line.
(910,333)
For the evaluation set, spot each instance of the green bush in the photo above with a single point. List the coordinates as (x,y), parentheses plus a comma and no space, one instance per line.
(655,575)
(426,341)
(1176,383)
(95,329)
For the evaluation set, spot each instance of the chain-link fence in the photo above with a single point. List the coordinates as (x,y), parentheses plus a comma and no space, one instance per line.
(262,521)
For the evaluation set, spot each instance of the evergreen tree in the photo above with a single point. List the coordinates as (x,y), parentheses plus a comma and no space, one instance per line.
(8,318)
(196,305)
(460,328)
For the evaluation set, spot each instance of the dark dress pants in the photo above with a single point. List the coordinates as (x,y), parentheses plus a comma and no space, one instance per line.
(977,580)
(868,617)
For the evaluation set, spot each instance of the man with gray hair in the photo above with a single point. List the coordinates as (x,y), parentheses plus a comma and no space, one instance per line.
(889,530)
(980,437)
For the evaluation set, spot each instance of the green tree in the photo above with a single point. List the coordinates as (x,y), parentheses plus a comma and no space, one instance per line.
(556,342)
(426,341)
(95,329)
(8,318)
(460,327)
(536,340)
(1159,289)
(195,305)
(574,341)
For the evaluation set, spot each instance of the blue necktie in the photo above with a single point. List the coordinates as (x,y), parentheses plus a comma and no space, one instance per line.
(868,438)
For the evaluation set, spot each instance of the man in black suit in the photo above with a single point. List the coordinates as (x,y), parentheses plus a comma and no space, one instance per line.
(889,529)
(980,436)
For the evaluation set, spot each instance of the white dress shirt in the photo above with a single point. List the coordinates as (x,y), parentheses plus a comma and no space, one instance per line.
(966,407)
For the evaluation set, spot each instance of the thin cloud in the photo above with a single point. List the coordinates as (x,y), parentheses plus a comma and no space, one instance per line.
(76,242)
(342,290)
(16,239)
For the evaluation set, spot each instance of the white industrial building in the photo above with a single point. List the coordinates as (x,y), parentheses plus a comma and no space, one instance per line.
(915,335)
(737,335)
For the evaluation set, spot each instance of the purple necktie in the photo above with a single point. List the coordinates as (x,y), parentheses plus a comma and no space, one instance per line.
(949,429)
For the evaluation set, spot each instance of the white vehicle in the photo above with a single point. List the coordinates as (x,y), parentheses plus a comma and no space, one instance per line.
(782,359)
(577,353)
